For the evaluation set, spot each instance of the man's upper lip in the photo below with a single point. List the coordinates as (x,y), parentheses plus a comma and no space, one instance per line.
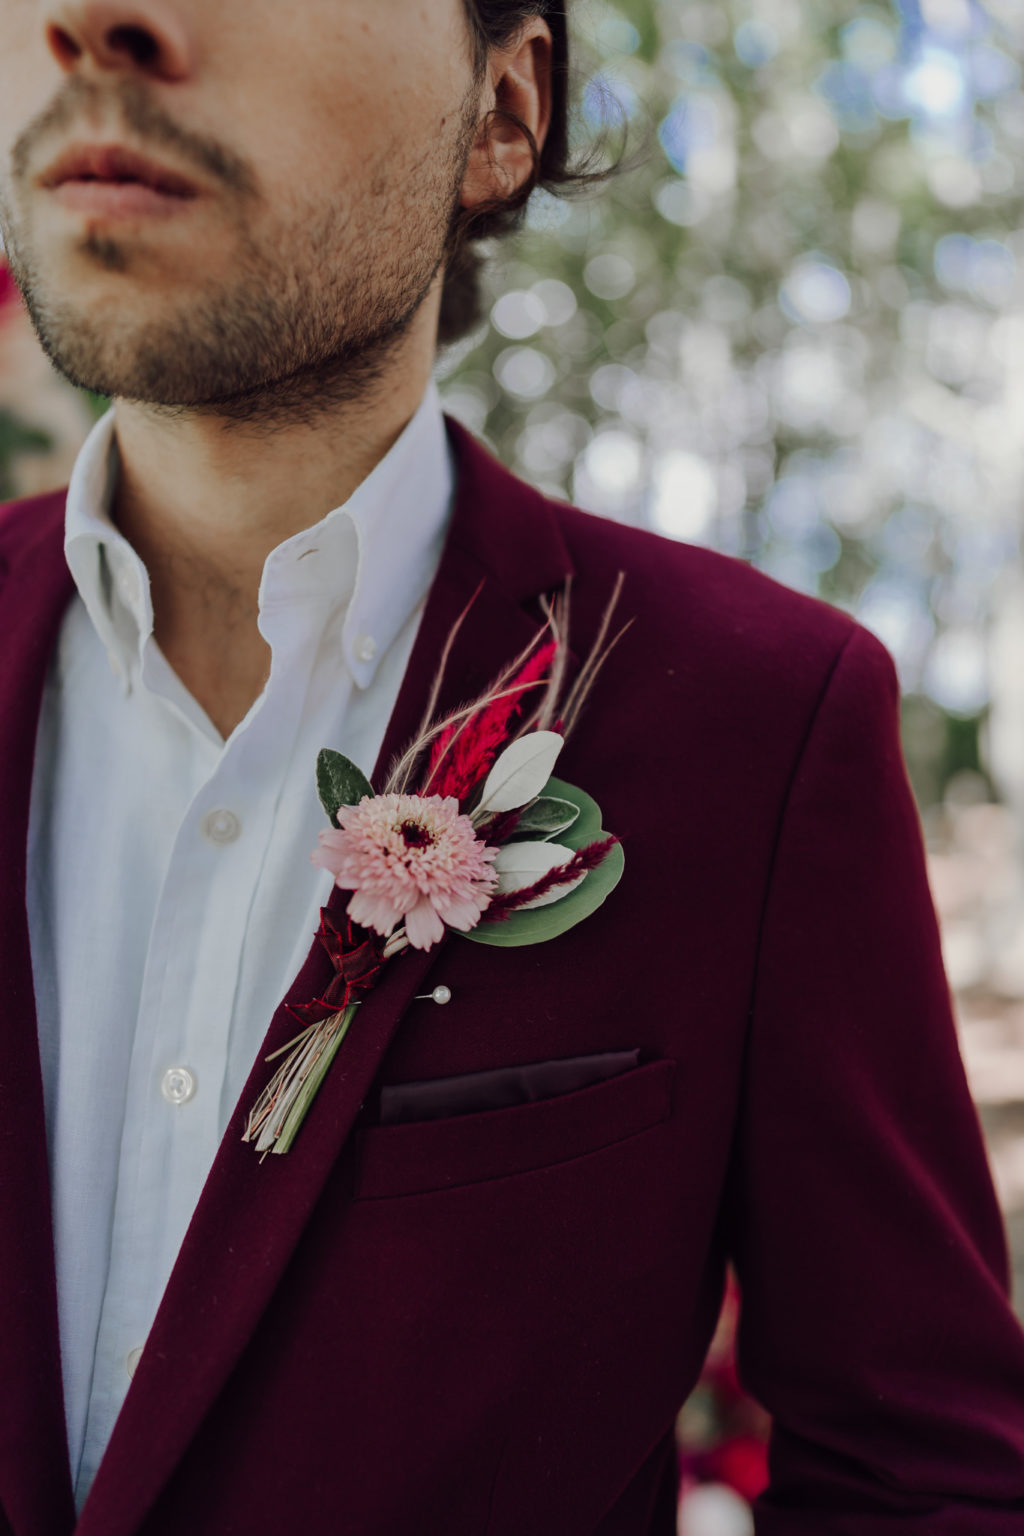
(114,162)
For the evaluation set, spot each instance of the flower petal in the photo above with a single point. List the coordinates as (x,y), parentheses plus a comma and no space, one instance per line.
(370,910)
(423,925)
(464,915)
(330,851)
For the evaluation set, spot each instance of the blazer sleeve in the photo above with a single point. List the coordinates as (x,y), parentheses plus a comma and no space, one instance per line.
(861,1217)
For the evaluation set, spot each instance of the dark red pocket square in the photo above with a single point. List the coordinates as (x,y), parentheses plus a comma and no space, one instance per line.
(499,1087)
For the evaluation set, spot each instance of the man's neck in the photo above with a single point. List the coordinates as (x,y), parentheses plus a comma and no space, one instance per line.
(204,501)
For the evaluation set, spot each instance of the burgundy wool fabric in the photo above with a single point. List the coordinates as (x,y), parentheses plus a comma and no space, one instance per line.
(484,1324)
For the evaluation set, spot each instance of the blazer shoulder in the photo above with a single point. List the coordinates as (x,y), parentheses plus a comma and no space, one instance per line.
(737,620)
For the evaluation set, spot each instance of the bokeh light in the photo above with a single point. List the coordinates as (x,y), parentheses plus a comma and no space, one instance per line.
(792,328)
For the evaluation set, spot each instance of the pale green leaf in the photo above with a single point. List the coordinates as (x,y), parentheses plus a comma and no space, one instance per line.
(520,773)
(523,864)
(547,817)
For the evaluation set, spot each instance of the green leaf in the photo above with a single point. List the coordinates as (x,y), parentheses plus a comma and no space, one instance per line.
(587,827)
(339,782)
(544,819)
(540,923)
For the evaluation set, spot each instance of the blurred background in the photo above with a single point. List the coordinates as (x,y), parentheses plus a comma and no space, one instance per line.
(792,329)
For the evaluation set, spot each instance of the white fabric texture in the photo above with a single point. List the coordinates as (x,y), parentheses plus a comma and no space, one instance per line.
(171,900)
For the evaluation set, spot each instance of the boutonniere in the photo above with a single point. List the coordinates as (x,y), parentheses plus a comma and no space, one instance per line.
(470,832)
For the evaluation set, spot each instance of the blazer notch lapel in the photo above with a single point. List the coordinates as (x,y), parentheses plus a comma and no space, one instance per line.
(251,1215)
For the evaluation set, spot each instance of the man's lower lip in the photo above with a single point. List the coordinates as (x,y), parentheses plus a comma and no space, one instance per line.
(120,199)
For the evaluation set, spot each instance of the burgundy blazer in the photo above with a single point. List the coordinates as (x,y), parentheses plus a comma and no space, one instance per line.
(482,1322)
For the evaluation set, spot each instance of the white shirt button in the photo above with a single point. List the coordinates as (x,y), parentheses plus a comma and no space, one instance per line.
(221,826)
(132,1359)
(365,648)
(178,1084)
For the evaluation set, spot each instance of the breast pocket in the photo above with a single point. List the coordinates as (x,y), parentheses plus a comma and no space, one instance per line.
(415,1157)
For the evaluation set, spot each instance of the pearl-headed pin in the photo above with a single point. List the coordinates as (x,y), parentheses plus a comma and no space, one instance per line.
(439,995)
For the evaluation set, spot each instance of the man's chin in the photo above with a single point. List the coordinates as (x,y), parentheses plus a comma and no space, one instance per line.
(89,361)
(235,352)
(105,347)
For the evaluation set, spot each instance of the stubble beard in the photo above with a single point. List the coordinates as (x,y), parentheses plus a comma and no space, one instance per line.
(310,317)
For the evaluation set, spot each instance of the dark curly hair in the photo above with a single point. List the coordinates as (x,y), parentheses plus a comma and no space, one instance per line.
(493,24)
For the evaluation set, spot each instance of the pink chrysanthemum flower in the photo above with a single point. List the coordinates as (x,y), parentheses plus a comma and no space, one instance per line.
(413,857)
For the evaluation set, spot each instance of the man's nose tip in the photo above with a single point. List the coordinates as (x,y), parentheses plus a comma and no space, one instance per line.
(144,36)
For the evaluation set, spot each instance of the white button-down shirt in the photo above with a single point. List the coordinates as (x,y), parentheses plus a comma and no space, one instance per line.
(171,899)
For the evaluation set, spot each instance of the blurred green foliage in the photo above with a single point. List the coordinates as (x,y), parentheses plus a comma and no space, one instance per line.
(16,438)
(791,328)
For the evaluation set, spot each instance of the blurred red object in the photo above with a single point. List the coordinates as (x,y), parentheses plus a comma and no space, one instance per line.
(8,289)
(740,1464)
(723,1433)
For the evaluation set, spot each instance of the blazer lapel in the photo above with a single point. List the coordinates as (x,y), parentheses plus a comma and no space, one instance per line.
(35,1480)
(505,547)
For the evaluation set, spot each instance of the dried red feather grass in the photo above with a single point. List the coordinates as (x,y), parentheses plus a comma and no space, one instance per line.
(402,771)
(463,754)
(582,862)
(503,699)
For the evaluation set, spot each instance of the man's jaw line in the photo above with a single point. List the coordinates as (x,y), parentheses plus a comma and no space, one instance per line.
(309,395)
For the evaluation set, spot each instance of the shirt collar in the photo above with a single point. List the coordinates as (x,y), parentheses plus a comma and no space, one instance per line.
(378,551)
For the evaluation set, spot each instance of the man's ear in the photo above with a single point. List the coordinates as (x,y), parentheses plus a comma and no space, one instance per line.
(517,90)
